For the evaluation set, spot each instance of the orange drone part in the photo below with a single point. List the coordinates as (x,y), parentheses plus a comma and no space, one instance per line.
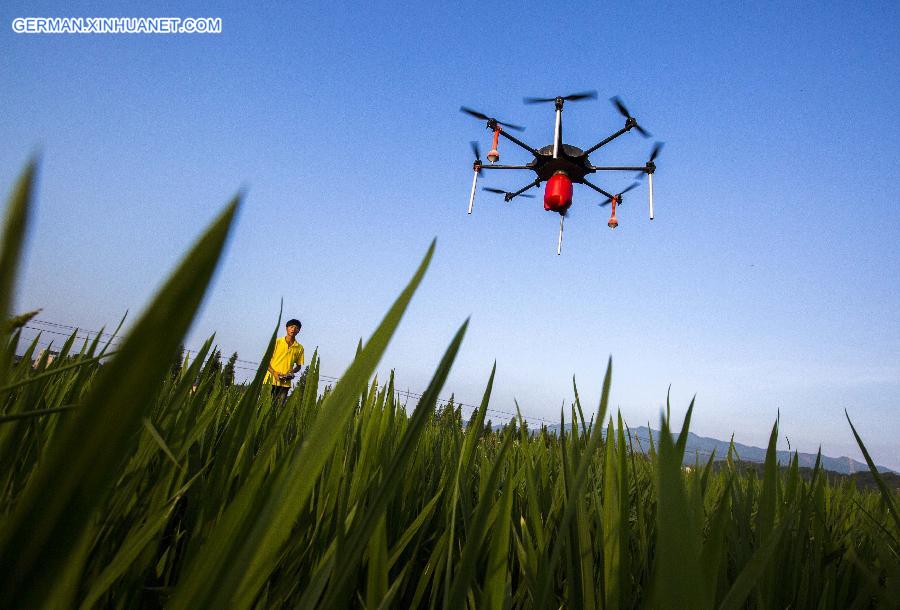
(494,155)
(558,193)
(613,222)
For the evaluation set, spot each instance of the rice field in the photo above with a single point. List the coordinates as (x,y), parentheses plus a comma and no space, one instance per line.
(124,486)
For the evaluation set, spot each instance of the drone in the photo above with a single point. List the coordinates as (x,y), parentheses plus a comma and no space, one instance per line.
(560,165)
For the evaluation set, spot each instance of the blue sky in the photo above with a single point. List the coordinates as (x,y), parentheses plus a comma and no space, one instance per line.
(769,279)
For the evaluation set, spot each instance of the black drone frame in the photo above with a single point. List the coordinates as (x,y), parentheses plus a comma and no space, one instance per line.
(562,157)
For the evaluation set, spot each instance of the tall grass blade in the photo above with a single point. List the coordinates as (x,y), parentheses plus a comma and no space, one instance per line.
(747,579)
(765,517)
(464,465)
(39,413)
(886,495)
(54,372)
(495,579)
(678,580)
(386,489)
(237,560)
(574,493)
(14,230)
(477,532)
(41,538)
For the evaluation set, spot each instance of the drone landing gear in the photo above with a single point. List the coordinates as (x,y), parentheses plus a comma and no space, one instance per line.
(649,169)
(476,168)
(472,196)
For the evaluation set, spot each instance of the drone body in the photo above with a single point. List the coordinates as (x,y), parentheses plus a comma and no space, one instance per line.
(560,165)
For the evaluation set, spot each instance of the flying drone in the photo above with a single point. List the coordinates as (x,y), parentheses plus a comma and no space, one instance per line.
(559,164)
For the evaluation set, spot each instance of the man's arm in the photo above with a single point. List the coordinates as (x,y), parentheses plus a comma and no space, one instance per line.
(298,366)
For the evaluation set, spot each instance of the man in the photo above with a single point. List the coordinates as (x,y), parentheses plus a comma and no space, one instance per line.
(287,359)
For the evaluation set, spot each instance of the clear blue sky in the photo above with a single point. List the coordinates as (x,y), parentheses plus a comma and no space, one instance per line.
(769,279)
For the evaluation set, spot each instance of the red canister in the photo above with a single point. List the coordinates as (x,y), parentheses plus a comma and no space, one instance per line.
(558,193)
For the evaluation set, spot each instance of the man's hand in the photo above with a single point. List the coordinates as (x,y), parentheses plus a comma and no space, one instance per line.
(287,377)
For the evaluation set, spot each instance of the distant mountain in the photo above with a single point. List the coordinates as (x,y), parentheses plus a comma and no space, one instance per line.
(704,446)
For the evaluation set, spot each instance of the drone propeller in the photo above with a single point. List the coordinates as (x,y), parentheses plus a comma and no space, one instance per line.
(477,150)
(574,97)
(505,193)
(617,102)
(653,154)
(484,117)
(619,196)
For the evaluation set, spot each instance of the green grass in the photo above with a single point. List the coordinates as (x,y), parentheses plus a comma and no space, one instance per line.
(124,487)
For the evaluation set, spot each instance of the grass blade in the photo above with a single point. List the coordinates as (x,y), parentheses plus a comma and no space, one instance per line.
(386,489)
(746,580)
(495,578)
(41,537)
(14,230)
(242,560)
(575,492)
(476,534)
(885,493)
(678,580)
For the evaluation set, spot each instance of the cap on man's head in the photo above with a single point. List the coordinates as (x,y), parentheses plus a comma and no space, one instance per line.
(293,322)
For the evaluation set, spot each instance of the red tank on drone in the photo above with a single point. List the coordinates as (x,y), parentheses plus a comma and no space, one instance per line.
(561,165)
(558,193)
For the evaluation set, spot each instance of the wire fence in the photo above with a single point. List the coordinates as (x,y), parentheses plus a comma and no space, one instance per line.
(56,328)
(66,330)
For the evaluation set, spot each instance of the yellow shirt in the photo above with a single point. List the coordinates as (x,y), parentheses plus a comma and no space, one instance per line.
(284,358)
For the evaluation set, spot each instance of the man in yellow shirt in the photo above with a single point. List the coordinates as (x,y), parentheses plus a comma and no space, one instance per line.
(287,359)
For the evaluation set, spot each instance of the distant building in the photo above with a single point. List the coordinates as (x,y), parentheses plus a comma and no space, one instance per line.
(51,356)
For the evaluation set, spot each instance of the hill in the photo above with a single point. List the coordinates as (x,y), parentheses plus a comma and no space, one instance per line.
(703,447)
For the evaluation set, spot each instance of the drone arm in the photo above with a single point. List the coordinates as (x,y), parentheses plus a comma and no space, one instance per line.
(506,167)
(523,189)
(597,188)
(597,168)
(518,142)
(625,129)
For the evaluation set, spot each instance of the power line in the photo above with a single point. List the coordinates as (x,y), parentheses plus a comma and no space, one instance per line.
(252,365)
(255,367)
